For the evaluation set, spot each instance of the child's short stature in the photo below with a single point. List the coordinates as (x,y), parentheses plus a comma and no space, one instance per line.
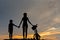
(36,35)
(10,28)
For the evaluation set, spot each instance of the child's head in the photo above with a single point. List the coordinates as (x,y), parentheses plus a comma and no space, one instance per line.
(34,27)
(11,21)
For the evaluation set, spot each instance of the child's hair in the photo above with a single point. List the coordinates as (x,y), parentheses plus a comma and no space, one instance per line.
(11,20)
(34,27)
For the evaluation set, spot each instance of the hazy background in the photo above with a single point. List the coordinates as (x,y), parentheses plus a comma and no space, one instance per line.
(45,13)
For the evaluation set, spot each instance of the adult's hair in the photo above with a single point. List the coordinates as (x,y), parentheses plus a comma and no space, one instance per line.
(25,14)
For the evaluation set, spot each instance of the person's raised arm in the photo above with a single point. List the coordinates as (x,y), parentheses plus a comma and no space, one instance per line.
(30,22)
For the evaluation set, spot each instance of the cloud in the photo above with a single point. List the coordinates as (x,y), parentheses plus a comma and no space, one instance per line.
(57,19)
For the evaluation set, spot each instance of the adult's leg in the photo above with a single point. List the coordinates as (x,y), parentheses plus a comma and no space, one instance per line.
(26,32)
(23,32)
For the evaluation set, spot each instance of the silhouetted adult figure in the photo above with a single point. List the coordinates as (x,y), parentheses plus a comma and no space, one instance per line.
(10,29)
(25,25)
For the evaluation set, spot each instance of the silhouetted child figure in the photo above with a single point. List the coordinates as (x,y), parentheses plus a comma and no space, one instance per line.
(10,28)
(36,36)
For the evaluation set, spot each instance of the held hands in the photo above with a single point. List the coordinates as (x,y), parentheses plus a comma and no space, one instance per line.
(18,26)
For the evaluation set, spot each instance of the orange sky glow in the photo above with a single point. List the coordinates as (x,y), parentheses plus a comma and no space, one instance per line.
(44,35)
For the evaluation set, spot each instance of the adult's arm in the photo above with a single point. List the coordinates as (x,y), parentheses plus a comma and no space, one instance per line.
(20,22)
(30,22)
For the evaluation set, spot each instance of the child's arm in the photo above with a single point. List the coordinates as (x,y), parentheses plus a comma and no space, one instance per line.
(15,25)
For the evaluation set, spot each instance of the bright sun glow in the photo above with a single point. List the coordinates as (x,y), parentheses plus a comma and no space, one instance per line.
(44,35)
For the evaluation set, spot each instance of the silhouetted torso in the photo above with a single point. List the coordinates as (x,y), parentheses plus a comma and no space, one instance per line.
(25,19)
(11,27)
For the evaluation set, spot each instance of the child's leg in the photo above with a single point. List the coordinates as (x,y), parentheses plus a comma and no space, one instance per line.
(10,35)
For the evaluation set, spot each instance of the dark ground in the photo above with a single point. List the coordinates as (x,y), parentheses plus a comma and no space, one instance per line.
(18,39)
(22,39)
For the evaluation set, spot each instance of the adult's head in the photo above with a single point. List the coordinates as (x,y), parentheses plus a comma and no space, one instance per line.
(25,14)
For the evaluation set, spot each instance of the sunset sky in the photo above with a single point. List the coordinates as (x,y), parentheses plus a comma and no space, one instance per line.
(45,13)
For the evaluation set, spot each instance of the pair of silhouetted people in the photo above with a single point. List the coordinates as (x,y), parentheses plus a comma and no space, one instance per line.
(24,26)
